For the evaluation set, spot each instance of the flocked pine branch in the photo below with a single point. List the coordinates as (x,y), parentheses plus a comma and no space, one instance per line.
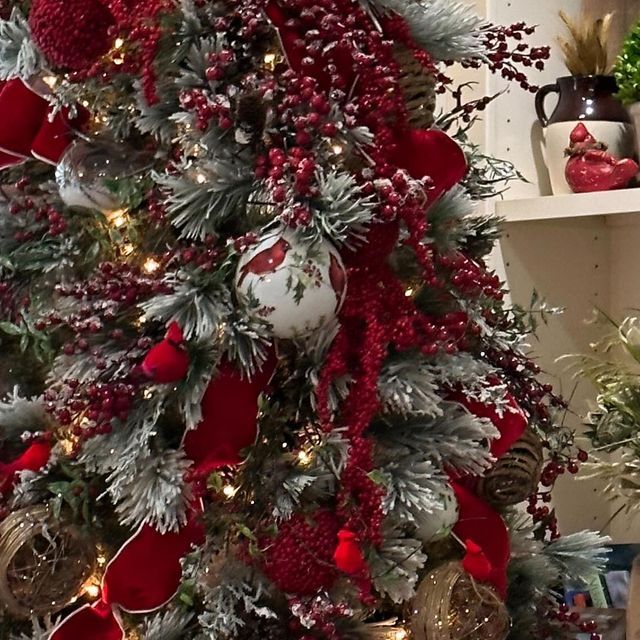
(204,196)
(395,565)
(340,213)
(457,439)
(19,55)
(448,30)
(156,492)
(412,486)
(408,385)
(579,554)
(238,595)
(200,305)
(168,625)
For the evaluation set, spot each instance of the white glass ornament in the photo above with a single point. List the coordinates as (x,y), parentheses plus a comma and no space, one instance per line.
(299,287)
(85,170)
(437,525)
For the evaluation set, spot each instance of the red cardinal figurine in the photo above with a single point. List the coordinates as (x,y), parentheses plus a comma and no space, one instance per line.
(591,168)
(168,361)
(266,261)
(475,563)
(348,554)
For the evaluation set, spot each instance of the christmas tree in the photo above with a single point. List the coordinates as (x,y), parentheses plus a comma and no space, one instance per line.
(257,378)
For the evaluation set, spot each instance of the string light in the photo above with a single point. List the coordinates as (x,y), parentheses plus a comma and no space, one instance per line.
(337,149)
(270,60)
(151,265)
(127,249)
(117,218)
(91,588)
(409,292)
(119,43)
(50,81)
(304,457)
(201,178)
(229,490)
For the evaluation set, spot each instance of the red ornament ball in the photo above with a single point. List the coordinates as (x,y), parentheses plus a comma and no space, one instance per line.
(300,558)
(72,34)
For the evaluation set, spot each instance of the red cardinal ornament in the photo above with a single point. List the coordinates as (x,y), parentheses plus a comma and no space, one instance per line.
(266,261)
(590,168)
(475,563)
(348,555)
(168,361)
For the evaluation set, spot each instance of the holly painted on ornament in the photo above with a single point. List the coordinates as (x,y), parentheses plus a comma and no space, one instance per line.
(590,168)
(298,286)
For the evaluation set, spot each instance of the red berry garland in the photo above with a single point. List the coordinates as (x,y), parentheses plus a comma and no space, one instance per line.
(71,33)
(300,559)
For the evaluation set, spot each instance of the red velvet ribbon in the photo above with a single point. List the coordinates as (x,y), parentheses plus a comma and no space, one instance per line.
(479,523)
(146,573)
(28,129)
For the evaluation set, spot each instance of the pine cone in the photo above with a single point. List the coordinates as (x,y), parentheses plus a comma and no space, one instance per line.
(418,86)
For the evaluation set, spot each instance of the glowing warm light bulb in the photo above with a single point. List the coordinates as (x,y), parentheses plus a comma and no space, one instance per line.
(117,218)
(50,81)
(127,249)
(229,490)
(400,634)
(201,178)
(119,43)
(270,59)
(304,457)
(337,149)
(409,292)
(92,591)
(151,265)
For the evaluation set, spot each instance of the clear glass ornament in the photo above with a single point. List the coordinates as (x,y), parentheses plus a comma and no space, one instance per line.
(88,173)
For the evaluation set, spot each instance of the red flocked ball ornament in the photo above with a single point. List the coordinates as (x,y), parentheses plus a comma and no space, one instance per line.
(72,34)
(300,559)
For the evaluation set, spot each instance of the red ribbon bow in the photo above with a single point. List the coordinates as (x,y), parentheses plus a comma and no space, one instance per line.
(480,526)
(146,573)
(29,130)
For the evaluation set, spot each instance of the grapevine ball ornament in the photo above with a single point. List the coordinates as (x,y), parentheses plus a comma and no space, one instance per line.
(300,559)
(450,605)
(438,524)
(89,171)
(299,286)
(44,562)
(72,34)
(515,475)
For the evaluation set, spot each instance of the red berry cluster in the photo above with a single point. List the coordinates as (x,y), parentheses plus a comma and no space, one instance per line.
(36,216)
(91,408)
(470,278)
(205,256)
(299,560)
(504,57)
(572,622)
(206,107)
(72,34)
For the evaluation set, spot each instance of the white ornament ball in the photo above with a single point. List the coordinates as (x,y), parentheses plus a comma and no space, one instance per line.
(437,525)
(298,286)
(84,171)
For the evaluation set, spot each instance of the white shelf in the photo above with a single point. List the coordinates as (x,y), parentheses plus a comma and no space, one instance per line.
(578,205)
